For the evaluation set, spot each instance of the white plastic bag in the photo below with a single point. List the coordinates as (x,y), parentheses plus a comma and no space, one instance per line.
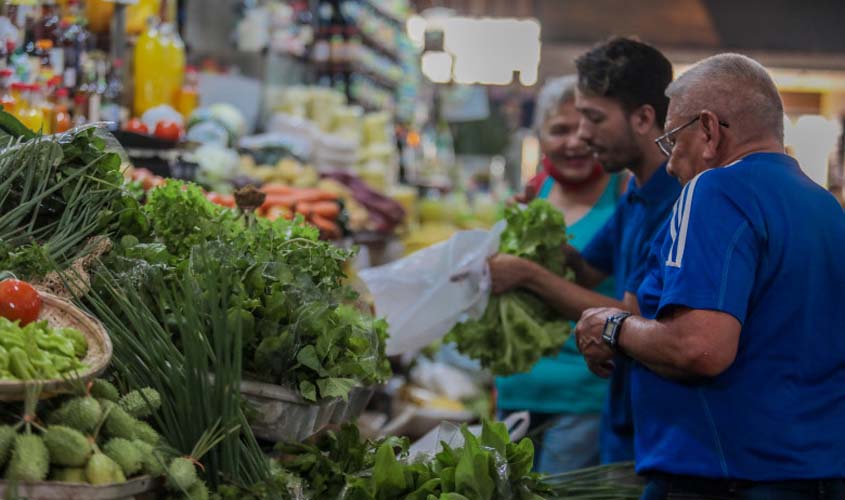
(450,433)
(420,299)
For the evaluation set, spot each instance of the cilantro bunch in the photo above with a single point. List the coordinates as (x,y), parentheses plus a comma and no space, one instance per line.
(518,328)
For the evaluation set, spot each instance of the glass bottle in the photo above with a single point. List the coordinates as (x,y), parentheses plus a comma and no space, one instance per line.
(62,120)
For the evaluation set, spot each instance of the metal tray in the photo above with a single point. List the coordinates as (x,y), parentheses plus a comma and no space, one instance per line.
(282,415)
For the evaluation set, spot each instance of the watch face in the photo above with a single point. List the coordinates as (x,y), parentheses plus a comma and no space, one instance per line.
(608,330)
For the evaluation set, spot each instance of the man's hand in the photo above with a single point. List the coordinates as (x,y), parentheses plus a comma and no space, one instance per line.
(588,332)
(508,272)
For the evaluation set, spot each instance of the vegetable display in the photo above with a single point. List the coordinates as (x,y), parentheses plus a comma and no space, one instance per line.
(517,328)
(289,292)
(485,467)
(38,352)
(98,437)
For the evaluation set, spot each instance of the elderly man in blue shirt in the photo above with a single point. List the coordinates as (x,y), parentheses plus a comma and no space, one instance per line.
(738,379)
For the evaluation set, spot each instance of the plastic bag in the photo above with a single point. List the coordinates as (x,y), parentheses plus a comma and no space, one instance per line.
(419,296)
(450,433)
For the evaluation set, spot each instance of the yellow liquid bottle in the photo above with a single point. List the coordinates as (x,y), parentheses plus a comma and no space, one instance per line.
(150,71)
(174,63)
(28,113)
(138,13)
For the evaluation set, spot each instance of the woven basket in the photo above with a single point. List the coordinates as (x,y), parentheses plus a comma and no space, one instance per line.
(60,313)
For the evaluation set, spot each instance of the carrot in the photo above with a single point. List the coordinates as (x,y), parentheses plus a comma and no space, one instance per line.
(276,188)
(316,195)
(328,229)
(328,209)
(304,208)
(277,200)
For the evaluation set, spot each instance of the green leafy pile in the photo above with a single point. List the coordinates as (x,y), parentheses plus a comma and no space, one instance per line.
(55,194)
(288,291)
(340,465)
(518,328)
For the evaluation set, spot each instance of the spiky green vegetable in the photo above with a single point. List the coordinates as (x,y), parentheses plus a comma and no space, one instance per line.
(152,462)
(7,439)
(103,470)
(125,454)
(82,414)
(120,424)
(199,491)
(103,389)
(181,474)
(141,403)
(30,460)
(145,432)
(68,474)
(68,447)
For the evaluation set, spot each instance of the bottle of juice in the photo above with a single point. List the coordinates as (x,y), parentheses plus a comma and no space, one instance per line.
(138,13)
(173,72)
(189,94)
(44,107)
(61,112)
(17,96)
(149,69)
(28,113)
(99,14)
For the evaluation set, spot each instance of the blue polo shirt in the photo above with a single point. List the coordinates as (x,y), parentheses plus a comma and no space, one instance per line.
(760,241)
(620,249)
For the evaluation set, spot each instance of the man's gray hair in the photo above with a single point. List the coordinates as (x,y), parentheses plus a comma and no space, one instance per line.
(735,87)
(555,92)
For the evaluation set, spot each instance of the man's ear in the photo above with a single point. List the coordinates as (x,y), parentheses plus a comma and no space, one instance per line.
(643,119)
(713,135)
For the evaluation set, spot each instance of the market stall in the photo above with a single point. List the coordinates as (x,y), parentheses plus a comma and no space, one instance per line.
(244,251)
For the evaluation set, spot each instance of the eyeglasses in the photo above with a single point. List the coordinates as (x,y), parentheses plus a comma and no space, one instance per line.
(666,142)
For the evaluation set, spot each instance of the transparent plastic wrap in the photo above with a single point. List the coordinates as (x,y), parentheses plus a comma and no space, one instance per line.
(419,296)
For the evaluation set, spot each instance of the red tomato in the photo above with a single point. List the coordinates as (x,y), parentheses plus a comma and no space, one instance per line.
(137,126)
(168,131)
(19,301)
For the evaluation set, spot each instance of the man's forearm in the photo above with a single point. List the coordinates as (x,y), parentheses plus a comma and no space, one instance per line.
(568,298)
(681,349)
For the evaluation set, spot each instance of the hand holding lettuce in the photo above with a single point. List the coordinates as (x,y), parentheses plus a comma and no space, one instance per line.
(517,328)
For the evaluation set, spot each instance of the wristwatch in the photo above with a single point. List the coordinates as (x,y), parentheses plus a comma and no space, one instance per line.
(612,327)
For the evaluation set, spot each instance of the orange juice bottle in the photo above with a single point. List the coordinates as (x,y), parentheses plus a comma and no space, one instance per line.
(173,71)
(149,70)
(61,112)
(99,14)
(189,94)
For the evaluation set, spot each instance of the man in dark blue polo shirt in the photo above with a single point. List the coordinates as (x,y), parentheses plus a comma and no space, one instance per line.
(739,356)
(621,96)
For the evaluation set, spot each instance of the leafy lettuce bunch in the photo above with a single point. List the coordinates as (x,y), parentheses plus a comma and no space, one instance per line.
(518,328)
